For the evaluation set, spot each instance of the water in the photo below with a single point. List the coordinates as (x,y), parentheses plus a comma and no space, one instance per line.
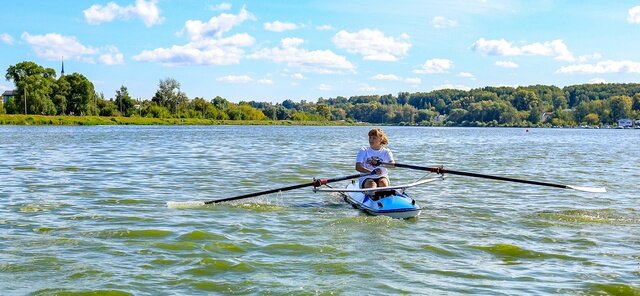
(82,212)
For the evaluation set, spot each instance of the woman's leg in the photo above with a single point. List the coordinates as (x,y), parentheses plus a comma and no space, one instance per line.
(383,182)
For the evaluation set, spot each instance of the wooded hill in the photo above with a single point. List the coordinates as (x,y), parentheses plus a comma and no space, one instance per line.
(538,105)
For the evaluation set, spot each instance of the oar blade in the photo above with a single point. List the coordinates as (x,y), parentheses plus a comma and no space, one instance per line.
(588,189)
(185,204)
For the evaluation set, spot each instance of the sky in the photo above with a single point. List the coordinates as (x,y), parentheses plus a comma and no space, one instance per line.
(271,51)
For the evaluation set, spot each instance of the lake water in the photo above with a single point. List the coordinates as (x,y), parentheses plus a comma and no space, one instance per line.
(83,212)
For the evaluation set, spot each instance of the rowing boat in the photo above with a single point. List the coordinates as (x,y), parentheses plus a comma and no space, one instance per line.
(391,201)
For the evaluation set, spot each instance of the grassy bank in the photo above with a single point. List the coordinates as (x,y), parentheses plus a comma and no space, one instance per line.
(16,119)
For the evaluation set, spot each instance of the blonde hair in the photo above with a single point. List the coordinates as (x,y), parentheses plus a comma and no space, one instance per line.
(378,132)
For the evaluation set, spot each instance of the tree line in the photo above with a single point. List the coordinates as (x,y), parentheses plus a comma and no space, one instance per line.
(40,91)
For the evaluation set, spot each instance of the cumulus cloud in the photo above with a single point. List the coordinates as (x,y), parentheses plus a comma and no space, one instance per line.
(373,45)
(206,46)
(297,76)
(364,87)
(434,66)
(221,6)
(235,79)
(466,75)
(279,26)
(506,64)
(634,15)
(224,51)
(54,46)
(289,52)
(441,22)
(608,66)
(147,11)
(448,85)
(265,81)
(597,81)
(216,26)
(112,56)
(388,77)
(6,38)
(325,28)
(555,48)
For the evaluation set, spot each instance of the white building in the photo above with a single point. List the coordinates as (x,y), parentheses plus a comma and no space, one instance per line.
(625,122)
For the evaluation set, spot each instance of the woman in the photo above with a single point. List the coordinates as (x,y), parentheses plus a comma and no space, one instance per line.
(369,159)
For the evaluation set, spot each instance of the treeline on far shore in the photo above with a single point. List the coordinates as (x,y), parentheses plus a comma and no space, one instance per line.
(38,91)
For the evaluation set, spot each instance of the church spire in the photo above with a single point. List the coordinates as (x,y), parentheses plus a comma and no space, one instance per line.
(62,72)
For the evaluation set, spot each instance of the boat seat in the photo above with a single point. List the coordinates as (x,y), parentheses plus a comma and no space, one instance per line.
(382,194)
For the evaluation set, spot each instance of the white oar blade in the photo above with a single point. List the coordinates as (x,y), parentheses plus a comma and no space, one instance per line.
(184,204)
(588,189)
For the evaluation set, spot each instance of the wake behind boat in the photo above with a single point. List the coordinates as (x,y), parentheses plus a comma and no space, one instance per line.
(391,201)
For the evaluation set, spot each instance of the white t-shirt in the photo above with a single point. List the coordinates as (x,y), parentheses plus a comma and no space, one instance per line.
(367,153)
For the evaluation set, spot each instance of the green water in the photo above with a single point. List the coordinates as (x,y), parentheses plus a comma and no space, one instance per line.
(82,212)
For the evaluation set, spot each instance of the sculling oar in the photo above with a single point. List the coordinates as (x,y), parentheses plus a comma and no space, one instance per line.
(442,171)
(315,183)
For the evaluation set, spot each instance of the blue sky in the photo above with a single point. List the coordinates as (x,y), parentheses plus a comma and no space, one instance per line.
(270,51)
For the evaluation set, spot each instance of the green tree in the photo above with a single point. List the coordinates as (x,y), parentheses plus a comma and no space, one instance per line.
(620,107)
(81,94)
(169,95)
(123,102)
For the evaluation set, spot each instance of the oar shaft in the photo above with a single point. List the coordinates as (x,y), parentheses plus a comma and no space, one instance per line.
(468,174)
(315,183)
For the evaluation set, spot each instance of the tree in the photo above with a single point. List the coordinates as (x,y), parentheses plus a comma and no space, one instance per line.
(124,102)
(81,94)
(620,107)
(35,86)
(169,95)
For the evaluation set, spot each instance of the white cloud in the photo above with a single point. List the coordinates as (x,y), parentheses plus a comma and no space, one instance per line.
(602,67)
(235,79)
(325,28)
(441,22)
(324,87)
(466,75)
(413,81)
(634,15)
(216,26)
(388,77)
(364,87)
(223,51)
(289,52)
(448,85)
(221,6)
(435,66)
(279,26)
(6,38)
(265,81)
(147,11)
(53,46)
(506,64)
(373,45)
(555,48)
(593,56)
(297,76)
(597,81)
(111,57)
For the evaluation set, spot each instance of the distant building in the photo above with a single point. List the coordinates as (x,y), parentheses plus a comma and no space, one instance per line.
(625,123)
(8,94)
